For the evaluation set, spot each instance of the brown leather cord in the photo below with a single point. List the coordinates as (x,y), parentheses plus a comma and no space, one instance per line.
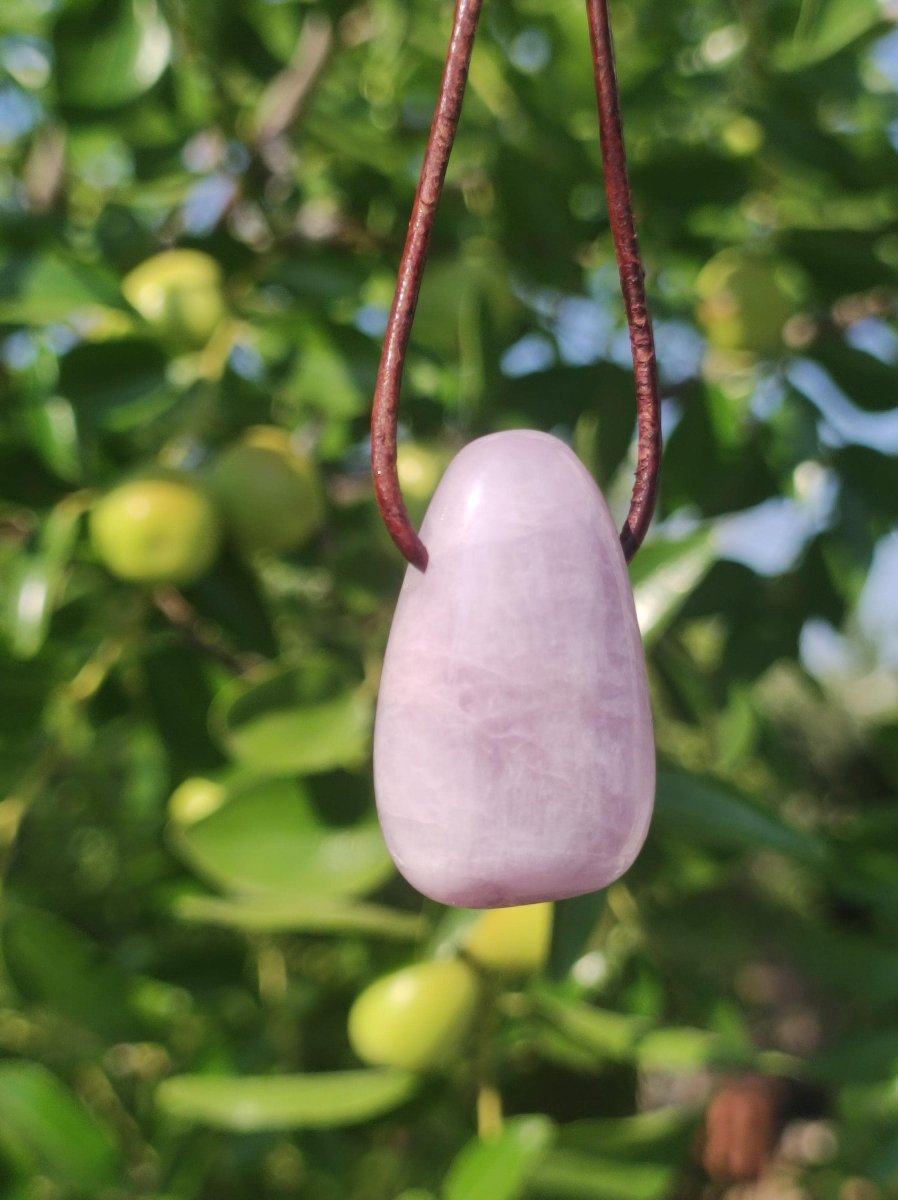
(385,413)
(632,279)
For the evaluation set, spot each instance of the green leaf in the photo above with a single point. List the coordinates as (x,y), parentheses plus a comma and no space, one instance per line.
(569,1176)
(499,1167)
(660,1135)
(687,1050)
(41,1116)
(232,596)
(664,574)
(826,27)
(32,591)
(324,376)
(52,964)
(706,813)
(866,380)
(266,840)
(301,721)
(607,1035)
(53,431)
(117,385)
(866,480)
(254,1103)
(451,927)
(477,280)
(299,914)
(51,287)
(575,391)
(621,1037)
(59,535)
(573,924)
(351,142)
(178,693)
(24,687)
(861,1058)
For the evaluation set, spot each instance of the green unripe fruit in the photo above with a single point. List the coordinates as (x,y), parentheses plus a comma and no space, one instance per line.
(743,136)
(271,497)
(109,53)
(181,294)
(745,301)
(419,469)
(416,1018)
(511,941)
(195,799)
(161,530)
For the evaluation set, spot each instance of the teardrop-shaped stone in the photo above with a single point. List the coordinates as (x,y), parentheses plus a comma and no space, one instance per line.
(513,751)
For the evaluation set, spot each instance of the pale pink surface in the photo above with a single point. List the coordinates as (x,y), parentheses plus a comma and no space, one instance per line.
(513,752)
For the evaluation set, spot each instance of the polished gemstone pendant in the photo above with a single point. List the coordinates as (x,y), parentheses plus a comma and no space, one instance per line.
(513,751)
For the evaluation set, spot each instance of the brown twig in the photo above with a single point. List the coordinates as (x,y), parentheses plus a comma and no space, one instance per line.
(741,1127)
(385,414)
(620,209)
(180,613)
(44,171)
(632,278)
(285,98)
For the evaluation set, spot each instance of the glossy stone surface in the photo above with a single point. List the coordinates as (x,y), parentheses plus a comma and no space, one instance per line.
(513,753)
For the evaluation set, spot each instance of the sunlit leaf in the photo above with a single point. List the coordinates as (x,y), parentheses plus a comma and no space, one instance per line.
(251,1104)
(327,377)
(30,596)
(41,1116)
(500,1166)
(297,914)
(606,1035)
(649,1136)
(687,1050)
(54,286)
(566,1175)
(826,27)
(266,840)
(53,431)
(304,720)
(664,574)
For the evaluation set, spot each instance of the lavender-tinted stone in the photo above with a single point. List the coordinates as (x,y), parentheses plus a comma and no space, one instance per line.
(513,751)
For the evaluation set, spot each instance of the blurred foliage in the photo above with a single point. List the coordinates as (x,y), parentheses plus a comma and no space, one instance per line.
(195,891)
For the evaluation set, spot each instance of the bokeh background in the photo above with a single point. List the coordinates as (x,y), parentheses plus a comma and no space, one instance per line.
(721,1023)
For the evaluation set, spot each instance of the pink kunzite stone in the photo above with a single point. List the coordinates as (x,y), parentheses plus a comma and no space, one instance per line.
(513,751)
